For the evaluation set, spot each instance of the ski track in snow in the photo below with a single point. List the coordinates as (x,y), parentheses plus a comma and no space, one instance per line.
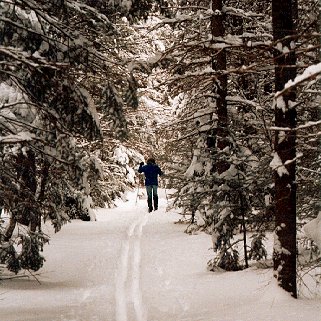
(129,272)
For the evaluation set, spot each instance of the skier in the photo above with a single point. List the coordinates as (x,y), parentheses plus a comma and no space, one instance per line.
(151,171)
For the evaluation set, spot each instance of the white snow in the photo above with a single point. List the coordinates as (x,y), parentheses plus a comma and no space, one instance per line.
(20,137)
(123,155)
(311,72)
(280,103)
(133,266)
(87,203)
(120,155)
(277,165)
(313,230)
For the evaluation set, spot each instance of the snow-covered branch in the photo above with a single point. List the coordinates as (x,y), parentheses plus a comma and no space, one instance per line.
(312,72)
(18,138)
(241,13)
(305,126)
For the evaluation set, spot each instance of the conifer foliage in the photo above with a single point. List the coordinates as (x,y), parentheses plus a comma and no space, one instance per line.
(86,91)
(222,84)
(219,189)
(48,51)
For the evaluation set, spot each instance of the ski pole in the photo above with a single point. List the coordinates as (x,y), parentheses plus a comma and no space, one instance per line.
(137,194)
(166,193)
(139,182)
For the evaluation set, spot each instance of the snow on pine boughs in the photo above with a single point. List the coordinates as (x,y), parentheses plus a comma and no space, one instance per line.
(24,252)
(131,98)
(30,257)
(312,230)
(277,165)
(47,107)
(113,105)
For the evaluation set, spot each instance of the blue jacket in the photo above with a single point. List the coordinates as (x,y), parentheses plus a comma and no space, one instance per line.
(151,171)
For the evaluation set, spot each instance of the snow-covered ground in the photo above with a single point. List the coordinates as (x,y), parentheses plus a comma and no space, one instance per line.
(133,266)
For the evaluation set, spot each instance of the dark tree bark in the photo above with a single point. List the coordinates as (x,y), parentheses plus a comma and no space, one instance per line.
(284,256)
(220,85)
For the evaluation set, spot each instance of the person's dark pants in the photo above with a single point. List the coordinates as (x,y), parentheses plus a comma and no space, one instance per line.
(152,196)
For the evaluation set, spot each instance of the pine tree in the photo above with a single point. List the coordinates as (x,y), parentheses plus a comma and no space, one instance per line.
(50,54)
(246,196)
(218,190)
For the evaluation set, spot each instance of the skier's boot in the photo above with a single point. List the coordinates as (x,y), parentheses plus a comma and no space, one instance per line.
(150,205)
(155,203)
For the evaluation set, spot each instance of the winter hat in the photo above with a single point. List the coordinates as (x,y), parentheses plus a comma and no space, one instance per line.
(150,161)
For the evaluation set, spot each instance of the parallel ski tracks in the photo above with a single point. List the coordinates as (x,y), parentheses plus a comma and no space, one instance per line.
(128,288)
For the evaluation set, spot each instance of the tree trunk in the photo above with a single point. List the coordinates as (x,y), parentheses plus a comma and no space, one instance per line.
(284,254)
(220,86)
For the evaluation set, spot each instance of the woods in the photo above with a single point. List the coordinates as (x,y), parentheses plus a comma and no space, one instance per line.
(224,94)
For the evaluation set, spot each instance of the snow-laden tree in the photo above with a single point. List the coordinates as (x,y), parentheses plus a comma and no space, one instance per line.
(43,108)
(130,108)
(295,116)
(212,79)
(50,52)
(284,254)
(227,186)
(152,110)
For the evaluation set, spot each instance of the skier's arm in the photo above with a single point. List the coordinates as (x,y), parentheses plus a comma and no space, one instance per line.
(140,169)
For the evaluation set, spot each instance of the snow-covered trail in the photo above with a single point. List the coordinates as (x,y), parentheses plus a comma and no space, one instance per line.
(129,271)
(134,266)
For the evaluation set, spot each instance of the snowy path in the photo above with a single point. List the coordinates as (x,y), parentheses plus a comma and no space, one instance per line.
(130,270)
(135,266)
